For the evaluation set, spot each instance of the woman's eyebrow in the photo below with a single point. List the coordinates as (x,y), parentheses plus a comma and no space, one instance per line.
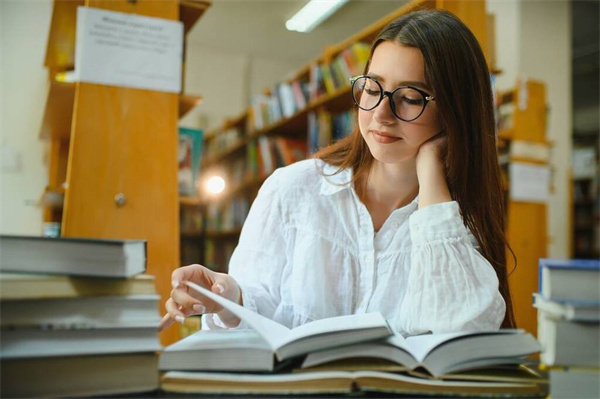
(416,83)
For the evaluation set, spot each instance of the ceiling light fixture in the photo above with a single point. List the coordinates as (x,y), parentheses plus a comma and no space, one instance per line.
(312,14)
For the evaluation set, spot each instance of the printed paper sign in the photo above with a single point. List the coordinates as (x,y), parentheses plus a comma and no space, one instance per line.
(119,49)
(529,183)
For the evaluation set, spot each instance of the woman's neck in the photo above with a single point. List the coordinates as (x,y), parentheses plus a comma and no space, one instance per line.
(387,188)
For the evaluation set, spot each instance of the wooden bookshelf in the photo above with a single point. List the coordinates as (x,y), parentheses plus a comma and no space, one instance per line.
(110,143)
(526,221)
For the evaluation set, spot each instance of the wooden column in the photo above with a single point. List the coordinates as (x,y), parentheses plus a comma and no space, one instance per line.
(124,143)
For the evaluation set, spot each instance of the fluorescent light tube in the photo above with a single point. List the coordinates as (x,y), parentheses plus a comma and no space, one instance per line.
(312,14)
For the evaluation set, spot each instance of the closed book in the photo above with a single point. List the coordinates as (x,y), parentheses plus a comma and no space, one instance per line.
(83,312)
(574,382)
(42,286)
(79,375)
(568,343)
(573,279)
(335,382)
(72,256)
(55,340)
(572,310)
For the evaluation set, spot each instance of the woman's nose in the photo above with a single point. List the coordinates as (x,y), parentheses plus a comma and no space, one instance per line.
(383,112)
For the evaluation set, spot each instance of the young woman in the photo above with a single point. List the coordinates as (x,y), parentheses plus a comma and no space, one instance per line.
(404,217)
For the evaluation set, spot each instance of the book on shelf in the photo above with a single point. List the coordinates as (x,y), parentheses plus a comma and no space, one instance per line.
(266,155)
(78,376)
(574,279)
(72,256)
(290,150)
(189,158)
(336,382)
(328,81)
(15,286)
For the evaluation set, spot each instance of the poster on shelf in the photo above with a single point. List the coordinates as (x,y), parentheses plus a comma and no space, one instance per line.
(529,182)
(128,50)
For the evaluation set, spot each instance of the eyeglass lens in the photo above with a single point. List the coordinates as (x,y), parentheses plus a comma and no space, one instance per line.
(408,103)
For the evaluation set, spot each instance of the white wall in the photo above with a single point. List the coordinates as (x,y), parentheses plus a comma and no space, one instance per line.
(24,28)
(227,80)
(533,40)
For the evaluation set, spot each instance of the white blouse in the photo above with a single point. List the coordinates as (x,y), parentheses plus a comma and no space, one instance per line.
(308,250)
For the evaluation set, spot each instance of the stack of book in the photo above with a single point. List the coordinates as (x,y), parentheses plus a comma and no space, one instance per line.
(78,317)
(347,354)
(568,304)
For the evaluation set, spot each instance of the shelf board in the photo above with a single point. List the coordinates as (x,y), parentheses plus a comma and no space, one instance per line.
(229,123)
(60,50)
(58,113)
(230,233)
(189,201)
(187,102)
(190,234)
(190,12)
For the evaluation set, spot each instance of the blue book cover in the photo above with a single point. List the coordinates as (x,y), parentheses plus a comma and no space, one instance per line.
(572,264)
(189,158)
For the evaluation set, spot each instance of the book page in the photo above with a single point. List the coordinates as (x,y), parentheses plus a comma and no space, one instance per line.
(272,332)
(421,345)
(334,324)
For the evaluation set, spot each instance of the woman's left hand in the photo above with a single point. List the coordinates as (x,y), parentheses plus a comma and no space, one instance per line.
(431,171)
(432,152)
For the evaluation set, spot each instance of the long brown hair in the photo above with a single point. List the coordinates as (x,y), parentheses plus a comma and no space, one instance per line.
(456,69)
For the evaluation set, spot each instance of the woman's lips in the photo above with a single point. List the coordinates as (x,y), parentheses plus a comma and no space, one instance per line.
(384,138)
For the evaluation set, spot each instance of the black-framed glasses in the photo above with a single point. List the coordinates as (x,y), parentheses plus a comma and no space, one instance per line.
(407,102)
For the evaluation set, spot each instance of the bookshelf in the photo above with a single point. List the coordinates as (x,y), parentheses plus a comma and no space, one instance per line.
(112,151)
(522,140)
(313,105)
(585,198)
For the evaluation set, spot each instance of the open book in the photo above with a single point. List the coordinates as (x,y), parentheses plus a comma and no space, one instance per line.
(337,339)
(321,334)
(438,354)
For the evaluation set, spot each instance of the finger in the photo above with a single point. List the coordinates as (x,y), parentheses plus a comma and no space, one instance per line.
(196,273)
(166,322)
(174,311)
(187,302)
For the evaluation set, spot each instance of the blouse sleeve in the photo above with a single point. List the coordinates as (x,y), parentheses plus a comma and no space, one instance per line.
(259,258)
(451,286)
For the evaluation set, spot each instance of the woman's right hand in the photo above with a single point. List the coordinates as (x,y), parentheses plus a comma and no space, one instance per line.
(185,302)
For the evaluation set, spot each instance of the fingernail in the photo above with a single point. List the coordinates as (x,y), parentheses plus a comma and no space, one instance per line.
(220,288)
(180,319)
(198,308)
(175,283)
